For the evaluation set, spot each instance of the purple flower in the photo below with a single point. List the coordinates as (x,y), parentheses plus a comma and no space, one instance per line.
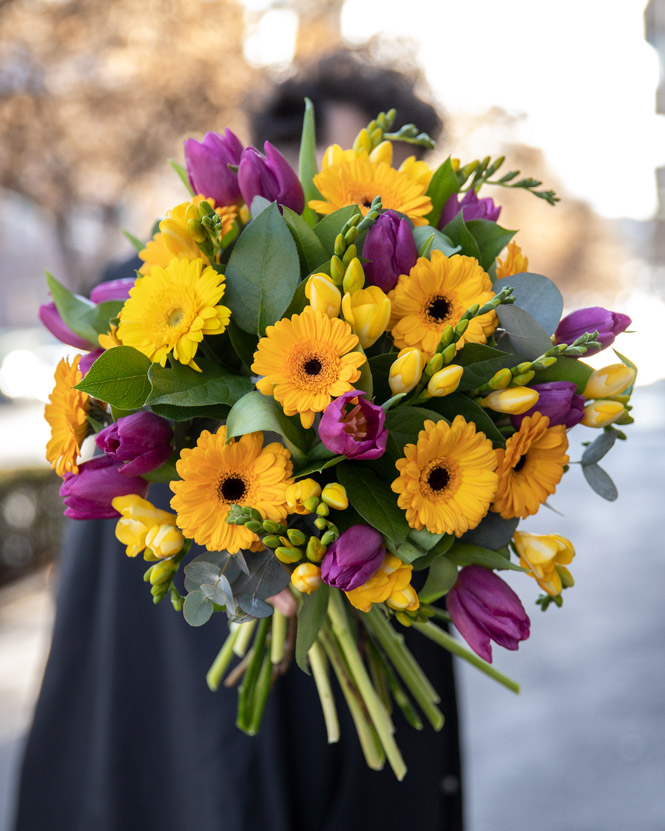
(88,360)
(559,401)
(484,608)
(471,207)
(595,318)
(269,176)
(112,290)
(390,250)
(356,431)
(353,558)
(208,169)
(88,493)
(50,317)
(143,440)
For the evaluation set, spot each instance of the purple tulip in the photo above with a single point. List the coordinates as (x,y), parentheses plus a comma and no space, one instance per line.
(112,290)
(559,401)
(484,608)
(88,493)
(208,170)
(595,318)
(88,360)
(269,176)
(390,250)
(355,430)
(471,207)
(50,317)
(353,558)
(142,440)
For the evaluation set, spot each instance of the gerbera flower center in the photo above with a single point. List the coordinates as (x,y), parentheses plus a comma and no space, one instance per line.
(438,478)
(520,463)
(312,366)
(438,309)
(174,317)
(232,488)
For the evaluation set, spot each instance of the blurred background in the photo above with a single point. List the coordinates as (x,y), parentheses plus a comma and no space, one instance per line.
(95,98)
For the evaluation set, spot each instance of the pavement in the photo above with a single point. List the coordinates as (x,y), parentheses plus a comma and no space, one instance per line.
(582,748)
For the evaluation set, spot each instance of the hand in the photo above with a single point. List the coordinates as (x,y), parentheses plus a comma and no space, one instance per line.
(284,602)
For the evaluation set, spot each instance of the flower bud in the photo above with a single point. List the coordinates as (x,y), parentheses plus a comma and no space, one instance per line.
(296,536)
(600,413)
(322,509)
(406,370)
(269,176)
(471,207)
(142,440)
(383,152)
(609,381)
(138,517)
(404,599)
(391,577)
(89,493)
(501,379)
(434,364)
(335,496)
(315,550)
(323,295)
(512,400)
(306,577)
(288,554)
(445,381)
(544,557)
(112,290)
(207,164)
(300,492)
(367,312)
(161,572)
(595,318)
(164,540)
(50,317)
(559,401)
(353,558)
(389,250)
(354,277)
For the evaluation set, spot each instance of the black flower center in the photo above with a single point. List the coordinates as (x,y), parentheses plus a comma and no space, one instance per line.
(232,489)
(438,309)
(313,366)
(438,479)
(520,463)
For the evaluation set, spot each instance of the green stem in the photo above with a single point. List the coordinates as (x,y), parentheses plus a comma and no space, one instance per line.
(247,688)
(377,712)
(319,665)
(261,693)
(445,640)
(400,697)
(277,637)
(245,631)
(221,662)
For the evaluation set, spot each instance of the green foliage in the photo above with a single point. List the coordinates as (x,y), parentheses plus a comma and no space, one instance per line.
(82,316)
(310,250)
(311,616)
(262,272)
(379,366)
(459,404)
(537,295)
(480,362)
(494,532)
(524,336)
(135,241)
(120,377)
(428,239)
(182,175)
(600,481)
(599,447)
(307,164)
(256,411)
(330,226)
(197,608)
(490,238)
(404,424)
(218,412)
(457,231)
(441,578)
(464,554)
(182,386)
(566,369)
(266,577)
(442,185)
(243,342)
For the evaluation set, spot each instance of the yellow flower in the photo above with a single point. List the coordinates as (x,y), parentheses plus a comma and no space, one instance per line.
(110,339)
(600,413)
(513,263)
(323,295)
(391,578)
(306,577)
(354,277)
(445,381)
(171,309)
(530,467)
(215,475)
(513,400)
(609,381)
(419,171)
(404,600)
(66,415)
(368,313)
(434,295)
(164,541)
(306,361)
(356,180)
(545,557)
(138,517)
(335,496)
(406,370)
(446,481)
(300,492)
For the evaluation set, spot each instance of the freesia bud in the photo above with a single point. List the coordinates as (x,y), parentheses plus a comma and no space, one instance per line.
(609,381)
(354,277)
(512,400)
(484,608)
(544,557)
(50,317)
(315,550)
(559,401)
(390,250)
(269,176)
(600,413)
(471,207)
(383,152)
(404,600)
(323,295)
(143,440)
(88,494)
(334,495)
(300,492)
(445,381)
(353,558)
(306,577)
(406,370)
(207,164)
(164,540)
(368,313)
(595,318)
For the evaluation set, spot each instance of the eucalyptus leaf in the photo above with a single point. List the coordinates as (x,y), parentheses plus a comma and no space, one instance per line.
(537,295)
(523,336)
(599,447)
(443,184)
(259,204)
(311,616)
(120,377)
(439,241)
(182,386)
(490,238)
(330,226)
(266,577)
(441,577)
(202,572)
(253,606)
(212,563)
(464,554)
(310,250)
(600,481)
(373,499)
(494,532)
(197,608)
(255,411)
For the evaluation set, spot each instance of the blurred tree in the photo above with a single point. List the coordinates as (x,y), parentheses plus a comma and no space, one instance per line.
(94,96)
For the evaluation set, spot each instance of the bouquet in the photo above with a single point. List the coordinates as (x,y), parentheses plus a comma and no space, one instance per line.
(355,389)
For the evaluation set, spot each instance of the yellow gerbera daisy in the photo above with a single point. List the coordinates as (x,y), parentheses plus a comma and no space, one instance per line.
(356,181)
(173,239)
(434,295)
(66,414)
(513,263)
(215,475)
(171,309)
(530,467)
(306,361)
(446,481)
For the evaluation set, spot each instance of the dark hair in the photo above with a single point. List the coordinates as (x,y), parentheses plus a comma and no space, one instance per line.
(348,77)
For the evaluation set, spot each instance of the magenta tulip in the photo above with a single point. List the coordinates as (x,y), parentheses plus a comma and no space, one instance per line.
(50,317)
(353,558)
(269,176)
(88,493)
(389,250)
(559,401)
(142,440)
(112,290)
(208,170)
(595,318)
(354,427)
(471,207)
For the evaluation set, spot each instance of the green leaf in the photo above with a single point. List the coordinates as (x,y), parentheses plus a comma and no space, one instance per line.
(425,539)
(197,609)
(208,565)
(182,175)
(537,295)
(439,549)
(256,411)
(217,412)
(629,390)
(307,164)
(311,616)
(380,368)
(441,577)
(442,185)
(73,309)
(120,377)
(262,273)
(459,234)
(491,239)
(524,336)
(135,241)
(310,250)
(494,532)
(298,301)
(365,382)
(459,404)
(317,466)
(182,386)
(480,362)
(254,607)
(100,316)
(566,369)
(404,424)
(439,241)
(244,343)
(464,554)
(373,499)
(266,576)
(600,481)
(258,206)
(330,226)
(599,447)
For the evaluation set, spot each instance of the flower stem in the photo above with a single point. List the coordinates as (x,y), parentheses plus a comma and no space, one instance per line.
(278,637)
(245,631)
(377,712)
(221,662)
(447,641)
(261,692)
(319,665)
(247,688)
